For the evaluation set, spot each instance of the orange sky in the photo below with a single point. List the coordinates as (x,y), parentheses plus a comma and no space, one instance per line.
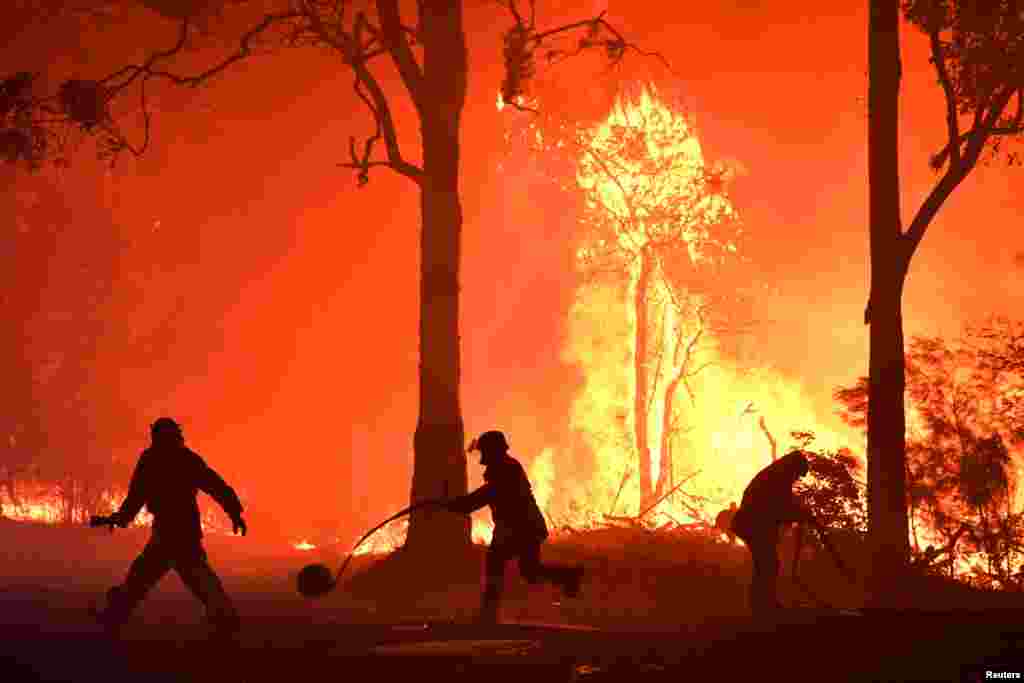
(297,377)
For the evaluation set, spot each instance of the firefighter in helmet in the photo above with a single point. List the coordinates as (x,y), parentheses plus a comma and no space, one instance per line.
(166,480)
(519,527)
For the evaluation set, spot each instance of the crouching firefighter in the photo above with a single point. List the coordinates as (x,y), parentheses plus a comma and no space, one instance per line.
(166,480)
(519,527)
(768,503)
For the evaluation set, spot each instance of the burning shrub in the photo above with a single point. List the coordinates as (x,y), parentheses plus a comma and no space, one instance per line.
(832,492)
(963,429)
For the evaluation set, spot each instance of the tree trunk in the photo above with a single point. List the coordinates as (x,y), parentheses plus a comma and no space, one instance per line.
(887,504)
(439,467)
(665,471)
(641,395)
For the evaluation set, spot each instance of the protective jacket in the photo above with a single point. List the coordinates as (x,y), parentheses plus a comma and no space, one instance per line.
(166,480)
(517,519)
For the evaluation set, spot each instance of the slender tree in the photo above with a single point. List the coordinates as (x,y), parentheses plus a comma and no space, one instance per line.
(659,217)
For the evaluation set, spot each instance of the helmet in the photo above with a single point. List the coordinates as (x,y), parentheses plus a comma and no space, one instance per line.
(165,425)
(797,460)
(490,444)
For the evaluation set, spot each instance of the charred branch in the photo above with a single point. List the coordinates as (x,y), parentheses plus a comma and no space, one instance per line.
(658,501)
(953,130)
(357,52)
(393,35)
(952,151)
(523,40)
(626,475)
(976,138)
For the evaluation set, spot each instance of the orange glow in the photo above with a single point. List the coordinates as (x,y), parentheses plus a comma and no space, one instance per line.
(303,384)
(391,537)
(304,545)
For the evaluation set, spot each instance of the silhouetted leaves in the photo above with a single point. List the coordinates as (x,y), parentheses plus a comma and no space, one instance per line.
(519,63)
(832,491)
(964,407)
(984,472)
(978,52)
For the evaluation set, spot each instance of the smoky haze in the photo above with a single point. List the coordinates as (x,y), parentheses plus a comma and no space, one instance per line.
(293,361)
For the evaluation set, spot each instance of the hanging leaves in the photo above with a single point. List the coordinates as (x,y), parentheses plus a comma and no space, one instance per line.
(519,62)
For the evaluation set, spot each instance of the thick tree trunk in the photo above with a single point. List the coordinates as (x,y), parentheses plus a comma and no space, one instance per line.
(641,395)
(887,503)
(887,500)
(439,468)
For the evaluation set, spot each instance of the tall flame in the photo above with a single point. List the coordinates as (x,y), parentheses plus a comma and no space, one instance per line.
(647,186)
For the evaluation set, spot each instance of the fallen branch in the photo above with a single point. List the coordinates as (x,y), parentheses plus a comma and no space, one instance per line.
(625,477)
(673,490)
(632,521)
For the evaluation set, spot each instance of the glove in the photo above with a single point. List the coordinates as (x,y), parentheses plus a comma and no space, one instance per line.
(238,525)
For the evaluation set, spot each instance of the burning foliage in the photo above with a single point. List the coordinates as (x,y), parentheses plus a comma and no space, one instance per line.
(671,423)
(964,445)
(833,492)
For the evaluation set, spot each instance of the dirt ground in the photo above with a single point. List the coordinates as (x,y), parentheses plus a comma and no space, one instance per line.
(653,608)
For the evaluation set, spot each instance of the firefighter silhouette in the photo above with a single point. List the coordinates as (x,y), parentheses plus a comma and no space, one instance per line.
(166,480)
(519,527)
(768,503)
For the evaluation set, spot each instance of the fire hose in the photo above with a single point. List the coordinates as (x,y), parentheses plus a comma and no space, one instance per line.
(392,518)
(316,579)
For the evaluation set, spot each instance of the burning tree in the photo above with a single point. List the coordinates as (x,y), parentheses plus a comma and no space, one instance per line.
(976,49)
(657,224)
(659,242)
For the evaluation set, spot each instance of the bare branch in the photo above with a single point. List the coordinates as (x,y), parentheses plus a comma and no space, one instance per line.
(615,47)
(1015,127)
(244,50)
(350,47)
(696,371)
(953,130)
(980,132)
(393,35)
